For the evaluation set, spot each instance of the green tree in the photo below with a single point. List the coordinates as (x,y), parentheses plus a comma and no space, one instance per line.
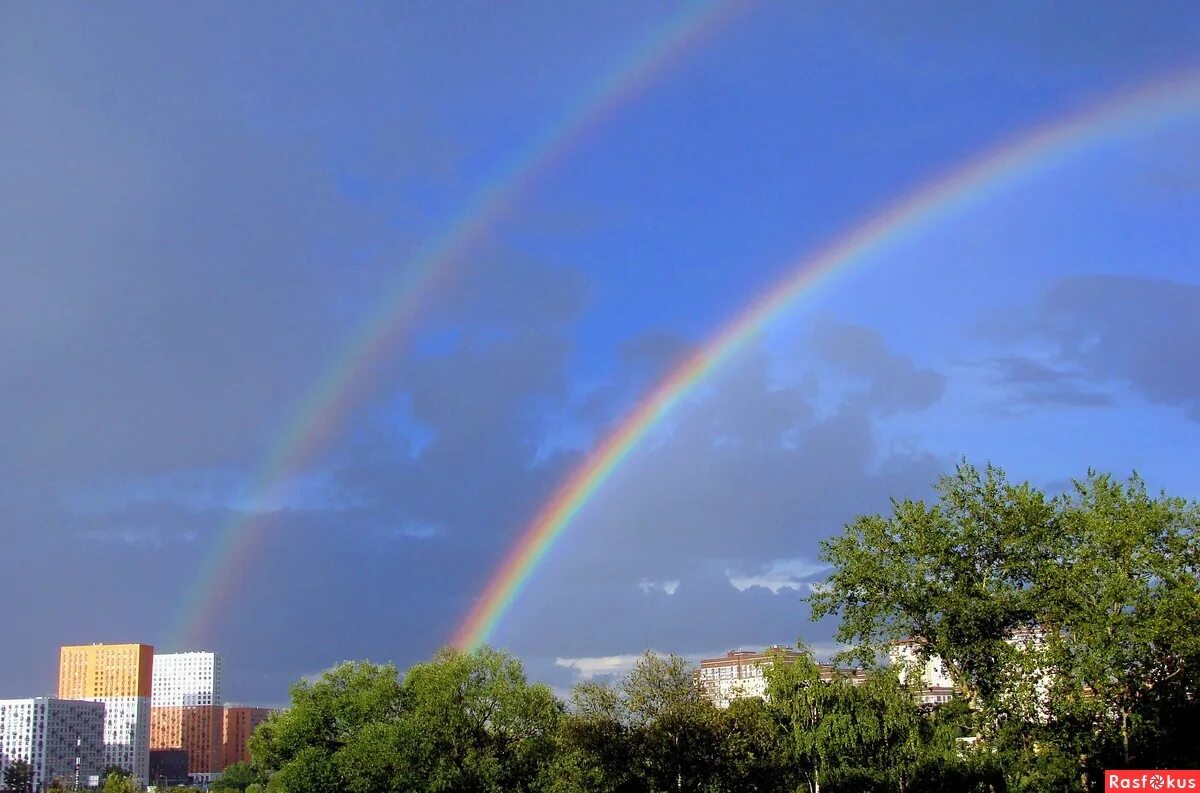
(596,752)
(235,779)
(754,755)
(115,782)
(652,731)
(1068,622)
(475,723)
(955,578)
(1121,648)
(298,744)
(18,777)
(464,721)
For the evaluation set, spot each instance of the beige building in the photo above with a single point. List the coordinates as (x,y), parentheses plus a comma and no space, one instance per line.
(935,686)
(741,673)
(118,675)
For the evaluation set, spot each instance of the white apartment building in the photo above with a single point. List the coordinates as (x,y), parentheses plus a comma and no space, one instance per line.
(187,679)
(59,738)
(186,699)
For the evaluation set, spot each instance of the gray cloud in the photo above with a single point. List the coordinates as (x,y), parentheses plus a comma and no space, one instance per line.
(1110,329)
(895,383)
(1031,383)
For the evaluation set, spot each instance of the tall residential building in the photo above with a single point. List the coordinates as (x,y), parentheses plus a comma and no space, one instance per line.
(240,721)
(59,738)
(186,709)
(119,676)
(741,673)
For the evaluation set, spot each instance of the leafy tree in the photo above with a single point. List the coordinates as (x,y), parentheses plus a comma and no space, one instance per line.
(114,769)
(956,578)
(235,779)
(18,777)
(474,722)
(754,756)
(1068,622)
(653,731)
(324,717)
(596,752)
(1120,612)
(115,782)
(465,721)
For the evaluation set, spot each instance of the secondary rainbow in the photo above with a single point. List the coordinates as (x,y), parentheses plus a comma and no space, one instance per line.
(325,406)
(972,181)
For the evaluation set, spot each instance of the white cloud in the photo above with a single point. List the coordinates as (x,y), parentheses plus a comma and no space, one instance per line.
(604,665)
(669,587)
(778,574)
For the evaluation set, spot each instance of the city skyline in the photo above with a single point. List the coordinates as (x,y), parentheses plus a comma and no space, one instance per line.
(572,330)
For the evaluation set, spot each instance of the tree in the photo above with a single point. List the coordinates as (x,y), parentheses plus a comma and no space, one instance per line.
(650,732)
(1120,614)
(464,721)
(298,744)
(115,782)
(1068,622)
(474,722)
(18,777)
(235,779)
(955,578)
(754,756)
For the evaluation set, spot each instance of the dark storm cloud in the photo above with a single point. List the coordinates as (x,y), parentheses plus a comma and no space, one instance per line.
(1136,330)
(160,307)
(1032,383)
(1105,329)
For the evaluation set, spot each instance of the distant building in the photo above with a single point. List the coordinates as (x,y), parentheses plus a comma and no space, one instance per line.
(168,767)
(117,675)
(59,738)
(186,710)
(741,673)
(240,721)
(935,685)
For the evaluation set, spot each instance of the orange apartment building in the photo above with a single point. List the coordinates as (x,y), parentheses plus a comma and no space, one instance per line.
(119,675)
(240,721)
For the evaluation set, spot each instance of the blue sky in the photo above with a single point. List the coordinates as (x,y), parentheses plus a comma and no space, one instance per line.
(200,205)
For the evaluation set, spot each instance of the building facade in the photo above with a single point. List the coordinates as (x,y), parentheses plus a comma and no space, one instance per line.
(742,673)
(186,710)
(240,721)
(933,683)
(118,675)
(168,767)
(60,739)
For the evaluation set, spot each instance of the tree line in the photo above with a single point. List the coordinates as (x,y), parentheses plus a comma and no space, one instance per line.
(1068,623)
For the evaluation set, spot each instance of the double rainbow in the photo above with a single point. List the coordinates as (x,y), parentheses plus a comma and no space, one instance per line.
(325,407)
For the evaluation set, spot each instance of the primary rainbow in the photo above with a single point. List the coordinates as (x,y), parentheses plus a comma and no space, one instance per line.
(979,177)
(325,406)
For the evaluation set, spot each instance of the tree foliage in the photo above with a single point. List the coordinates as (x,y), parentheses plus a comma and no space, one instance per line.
(18,777)
(1068,621)
(464,721)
